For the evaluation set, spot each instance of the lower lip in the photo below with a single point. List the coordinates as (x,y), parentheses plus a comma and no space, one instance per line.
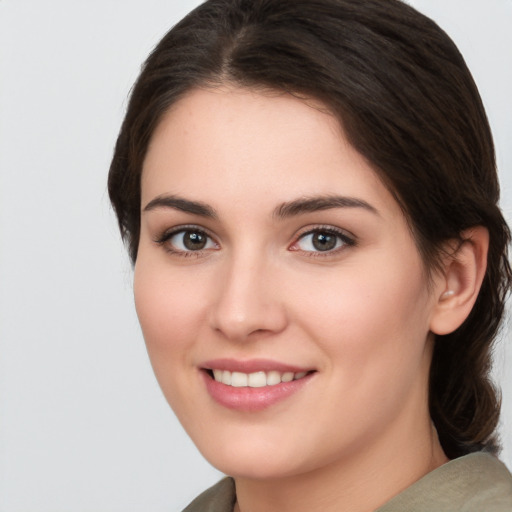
(251,399)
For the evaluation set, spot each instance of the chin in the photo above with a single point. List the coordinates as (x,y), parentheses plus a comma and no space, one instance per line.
(259,458)
(254,460)
(259,468)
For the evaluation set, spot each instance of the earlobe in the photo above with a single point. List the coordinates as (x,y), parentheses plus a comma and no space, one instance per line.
(459,284)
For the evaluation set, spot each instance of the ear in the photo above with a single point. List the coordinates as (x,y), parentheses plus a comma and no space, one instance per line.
(458,285)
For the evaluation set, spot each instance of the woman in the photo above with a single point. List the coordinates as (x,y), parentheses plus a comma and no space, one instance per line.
(308,192)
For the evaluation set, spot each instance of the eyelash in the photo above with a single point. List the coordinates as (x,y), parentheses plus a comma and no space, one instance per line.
(167,235)
(346,241)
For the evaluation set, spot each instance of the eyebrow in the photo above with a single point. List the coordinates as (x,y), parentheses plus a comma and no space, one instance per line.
(319,203)
(289,209)
(181,204)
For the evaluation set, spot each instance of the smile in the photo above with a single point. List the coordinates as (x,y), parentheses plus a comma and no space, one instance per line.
(254,385)
(258,379)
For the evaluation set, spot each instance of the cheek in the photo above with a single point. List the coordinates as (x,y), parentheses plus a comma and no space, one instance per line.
(372,320)
(171,316)
(169,312)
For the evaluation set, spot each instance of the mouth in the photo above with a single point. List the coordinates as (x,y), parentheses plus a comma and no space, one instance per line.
(253,385)
(257,379)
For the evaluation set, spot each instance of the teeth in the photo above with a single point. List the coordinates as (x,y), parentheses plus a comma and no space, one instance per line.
(239,380)
(226,378)
(287,377)
(256,379)
(273,378)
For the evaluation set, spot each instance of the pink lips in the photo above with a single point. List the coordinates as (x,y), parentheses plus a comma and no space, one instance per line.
(251,399)
(252,365)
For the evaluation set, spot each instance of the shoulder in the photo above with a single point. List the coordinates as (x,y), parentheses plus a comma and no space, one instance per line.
(471,483)
(219,498)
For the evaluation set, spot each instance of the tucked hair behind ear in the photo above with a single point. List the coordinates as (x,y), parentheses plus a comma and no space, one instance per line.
(406,101)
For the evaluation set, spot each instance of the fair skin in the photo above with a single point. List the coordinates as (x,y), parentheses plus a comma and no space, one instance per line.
(268,244)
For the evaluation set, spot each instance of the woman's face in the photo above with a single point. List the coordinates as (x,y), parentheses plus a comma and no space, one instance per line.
(269,251)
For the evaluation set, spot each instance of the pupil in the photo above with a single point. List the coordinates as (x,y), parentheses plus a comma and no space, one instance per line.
(324,241)
(194,241)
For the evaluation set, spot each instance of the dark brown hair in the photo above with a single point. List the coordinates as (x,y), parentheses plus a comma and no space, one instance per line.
(406,101)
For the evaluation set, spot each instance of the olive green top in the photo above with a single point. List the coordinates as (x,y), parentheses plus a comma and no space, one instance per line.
(474,483)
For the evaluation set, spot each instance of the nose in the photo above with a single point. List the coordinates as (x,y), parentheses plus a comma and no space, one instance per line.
(248,301)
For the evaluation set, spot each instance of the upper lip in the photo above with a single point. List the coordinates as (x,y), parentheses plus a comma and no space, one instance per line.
(251,366)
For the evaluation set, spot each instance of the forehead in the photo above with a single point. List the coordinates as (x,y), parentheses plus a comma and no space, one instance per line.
(226,120)
(241,144)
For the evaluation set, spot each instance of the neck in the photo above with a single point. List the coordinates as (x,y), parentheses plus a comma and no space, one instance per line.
(361,482)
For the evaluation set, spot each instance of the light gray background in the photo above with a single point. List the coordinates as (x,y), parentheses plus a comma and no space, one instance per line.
(83,424)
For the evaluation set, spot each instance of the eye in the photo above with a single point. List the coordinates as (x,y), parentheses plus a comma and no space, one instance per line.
(322,240)
(187,241)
